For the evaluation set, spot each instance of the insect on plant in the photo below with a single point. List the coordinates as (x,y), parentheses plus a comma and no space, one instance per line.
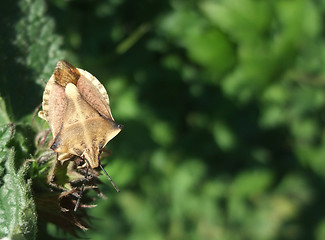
(77,109)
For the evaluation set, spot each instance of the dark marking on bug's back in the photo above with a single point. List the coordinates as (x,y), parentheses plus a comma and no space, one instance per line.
(55,144)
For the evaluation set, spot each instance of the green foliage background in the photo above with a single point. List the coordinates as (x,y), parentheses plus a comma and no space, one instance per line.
(223,103)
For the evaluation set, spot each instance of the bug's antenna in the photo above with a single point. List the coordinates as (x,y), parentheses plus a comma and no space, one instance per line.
(109,178)
(82,188)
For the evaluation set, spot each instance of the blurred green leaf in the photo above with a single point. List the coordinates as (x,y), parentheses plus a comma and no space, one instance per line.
(242,186)
(223,136)
(211,49)
(4,118)
(246,19)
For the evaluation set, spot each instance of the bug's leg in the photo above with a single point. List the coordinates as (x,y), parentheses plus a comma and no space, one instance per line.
(51,175)
(82,188)
(42,137)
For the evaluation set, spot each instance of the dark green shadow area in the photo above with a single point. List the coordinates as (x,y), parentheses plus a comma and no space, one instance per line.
(17,82)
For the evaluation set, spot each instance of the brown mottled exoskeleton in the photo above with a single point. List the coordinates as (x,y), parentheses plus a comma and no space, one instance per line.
(76,107)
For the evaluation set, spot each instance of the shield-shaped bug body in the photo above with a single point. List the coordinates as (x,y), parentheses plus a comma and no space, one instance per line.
(76,107)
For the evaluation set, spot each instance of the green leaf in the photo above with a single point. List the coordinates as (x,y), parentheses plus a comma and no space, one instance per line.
(44,53)
(17,210)
(6,133)
(4,118)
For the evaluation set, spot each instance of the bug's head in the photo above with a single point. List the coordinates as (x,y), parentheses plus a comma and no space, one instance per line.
(92,156)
